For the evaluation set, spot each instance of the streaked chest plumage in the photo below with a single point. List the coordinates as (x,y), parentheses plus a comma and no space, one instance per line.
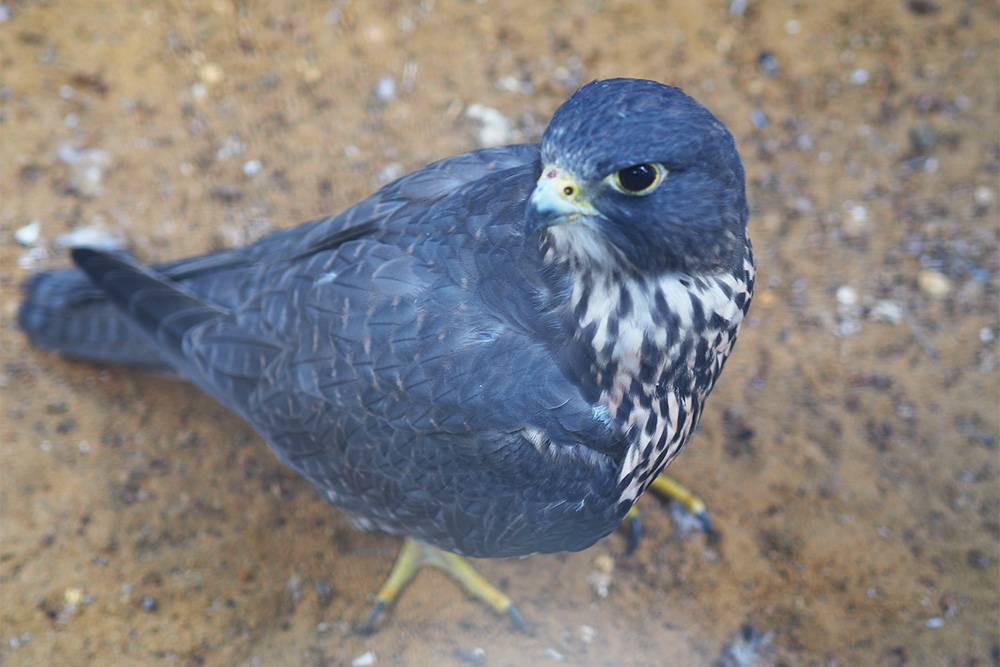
(659,345)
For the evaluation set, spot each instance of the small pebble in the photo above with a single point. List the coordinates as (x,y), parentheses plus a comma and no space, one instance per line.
(555,655)
(385,89)
(494,128)
(73,596)
(847,296)
(984,196)
(859,77)
(363,660)
(148,603)
(210,74)
(390,172)
(793,27)
(935,622)
(512,84)
(294,582)
(198,90)
(889,312)
(29,234)
(934,283)
(252,167)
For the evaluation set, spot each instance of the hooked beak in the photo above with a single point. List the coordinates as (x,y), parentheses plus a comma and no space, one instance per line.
(556,200)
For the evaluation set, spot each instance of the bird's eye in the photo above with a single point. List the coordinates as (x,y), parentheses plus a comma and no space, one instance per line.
(638,180)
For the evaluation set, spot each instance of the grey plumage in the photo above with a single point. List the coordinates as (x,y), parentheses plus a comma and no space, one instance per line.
(444,360)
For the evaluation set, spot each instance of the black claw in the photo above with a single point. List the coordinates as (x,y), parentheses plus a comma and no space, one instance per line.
(634,535)
(711,534)
(369,626)
(515,616)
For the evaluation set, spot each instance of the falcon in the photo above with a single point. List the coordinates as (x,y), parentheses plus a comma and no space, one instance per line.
(493,356)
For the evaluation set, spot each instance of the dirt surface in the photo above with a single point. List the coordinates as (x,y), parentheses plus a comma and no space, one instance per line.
(849,453)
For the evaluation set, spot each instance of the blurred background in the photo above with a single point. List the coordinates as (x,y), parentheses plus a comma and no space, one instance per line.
(849,454)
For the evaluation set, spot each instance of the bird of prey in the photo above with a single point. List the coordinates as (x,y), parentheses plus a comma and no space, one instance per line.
(492,356)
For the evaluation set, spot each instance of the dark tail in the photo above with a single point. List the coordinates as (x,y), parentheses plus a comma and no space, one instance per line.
(65,312)
(116,310)
(160,310)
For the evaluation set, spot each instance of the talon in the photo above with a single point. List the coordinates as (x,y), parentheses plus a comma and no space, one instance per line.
(711,534)
(368,627)
(519,622)
(669,489)
(413,557)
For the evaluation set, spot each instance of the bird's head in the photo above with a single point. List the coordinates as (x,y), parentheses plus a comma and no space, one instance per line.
(637,176)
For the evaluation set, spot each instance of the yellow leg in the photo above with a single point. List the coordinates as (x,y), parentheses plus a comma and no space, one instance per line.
(417,555)
(668,488)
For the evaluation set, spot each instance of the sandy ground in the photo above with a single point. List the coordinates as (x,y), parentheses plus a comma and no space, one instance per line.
(849,453)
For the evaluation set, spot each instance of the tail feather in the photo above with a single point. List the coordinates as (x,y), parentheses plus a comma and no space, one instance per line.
(65,312)
(158,309)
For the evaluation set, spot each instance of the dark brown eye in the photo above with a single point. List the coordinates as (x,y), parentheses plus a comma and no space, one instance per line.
(638,179)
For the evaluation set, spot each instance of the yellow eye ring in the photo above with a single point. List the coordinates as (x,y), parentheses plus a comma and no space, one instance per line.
(638,179)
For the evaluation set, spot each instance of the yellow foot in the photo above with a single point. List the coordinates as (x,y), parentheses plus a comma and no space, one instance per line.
(668,488)
(417,555)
